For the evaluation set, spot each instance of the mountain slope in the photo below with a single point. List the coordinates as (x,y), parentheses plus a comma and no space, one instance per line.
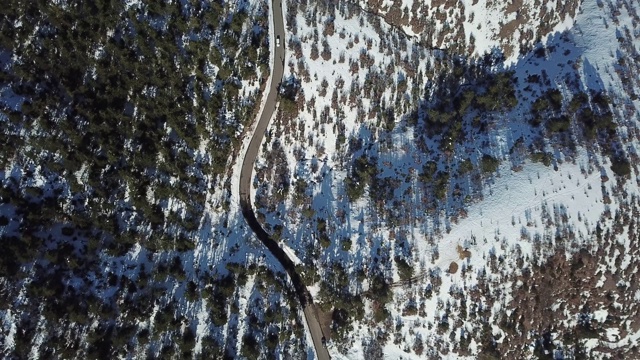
(428,190)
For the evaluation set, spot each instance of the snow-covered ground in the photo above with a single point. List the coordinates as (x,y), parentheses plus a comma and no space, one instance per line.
(524,207)
(515,207)
(472,254)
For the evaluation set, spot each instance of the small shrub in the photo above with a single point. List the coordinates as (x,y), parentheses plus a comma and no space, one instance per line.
(555,99)
(489,164)
(325,242)
(621,166)
(428,171)
(465,167)
(558,124)
(541,157)
(381,314)
(346,244)
(578,101)
(354,189)
(440,185)
(288,107)
(250,347)
(404,269)
(363,170)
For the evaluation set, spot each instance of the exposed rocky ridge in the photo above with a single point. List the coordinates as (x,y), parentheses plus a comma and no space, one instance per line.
(468,27)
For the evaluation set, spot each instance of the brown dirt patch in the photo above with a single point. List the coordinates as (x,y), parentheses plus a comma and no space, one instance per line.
(558,290)
(514,6)
(453,267)
(463,253)
(509,28)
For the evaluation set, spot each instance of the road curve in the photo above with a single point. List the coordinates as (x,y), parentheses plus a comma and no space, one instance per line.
(246,176)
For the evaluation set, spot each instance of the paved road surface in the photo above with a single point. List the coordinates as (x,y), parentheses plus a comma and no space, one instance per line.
(246,176)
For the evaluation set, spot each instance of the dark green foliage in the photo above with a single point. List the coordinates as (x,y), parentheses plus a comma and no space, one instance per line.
(323,236)
(272,341)
(211,349)
(237,21)
(379,289)
(404,269)
(218,294)
(288,95)
(300,187)
(448,107)
(465,166)
(542,157)
(346,244)
(465,101)
(621,166)
(362,172)
(288,106)
(597,121)
(17,250)
(381,314)
(558,124)
(547,107)
(186,343)
(382,189)
(428,171)
(250,347)
(334,294)
(110,109)
(170,268)
(440,185)
(8,263)
(380,293)
(389,119)
(601,100)
(578,101)
(309,274)
(593,118)
(500,93)
(123,103)
(191,291)
(273,316)
(489,164)
(99,341)
(555,99)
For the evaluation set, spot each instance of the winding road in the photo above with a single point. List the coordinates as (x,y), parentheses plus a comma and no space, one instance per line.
(246,176)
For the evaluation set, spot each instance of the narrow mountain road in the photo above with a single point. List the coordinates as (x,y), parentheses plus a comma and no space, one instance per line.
(246,176)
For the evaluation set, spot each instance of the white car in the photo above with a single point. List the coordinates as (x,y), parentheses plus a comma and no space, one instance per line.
(278,41)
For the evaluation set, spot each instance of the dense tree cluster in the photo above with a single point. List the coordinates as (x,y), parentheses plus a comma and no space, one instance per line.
(119,100)
(465,90)
(335,295)
(586,115)
(363,171)
(118,119)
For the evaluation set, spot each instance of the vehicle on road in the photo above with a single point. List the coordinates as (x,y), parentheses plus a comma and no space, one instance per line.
(278,41)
